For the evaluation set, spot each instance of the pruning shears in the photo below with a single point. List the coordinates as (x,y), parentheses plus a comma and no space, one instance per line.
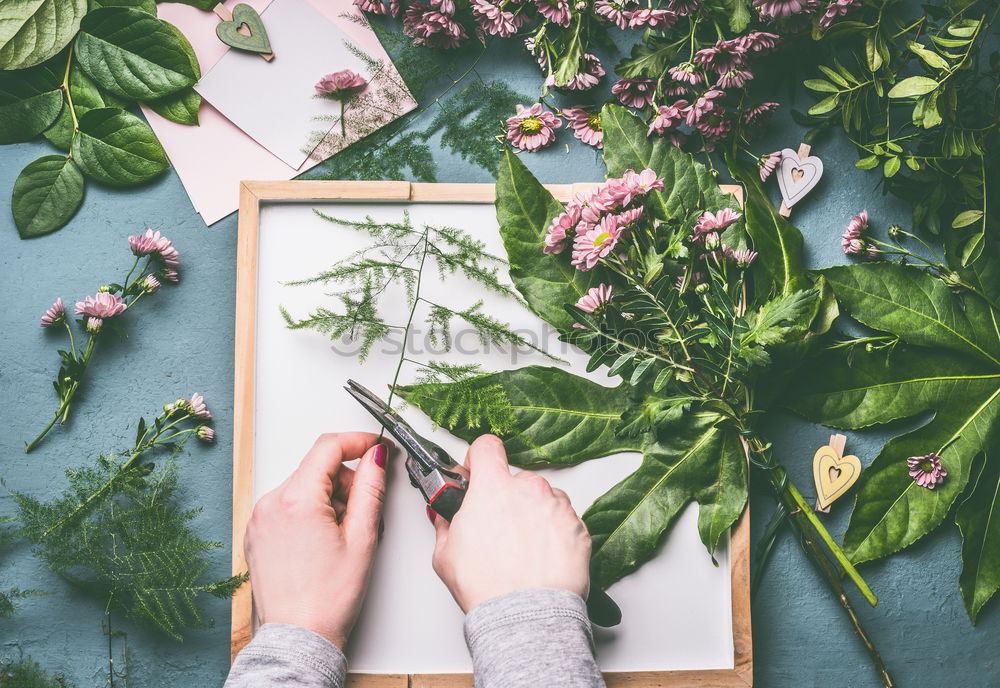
(443,482)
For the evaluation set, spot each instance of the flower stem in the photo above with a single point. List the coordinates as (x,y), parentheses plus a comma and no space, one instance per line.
(67,398)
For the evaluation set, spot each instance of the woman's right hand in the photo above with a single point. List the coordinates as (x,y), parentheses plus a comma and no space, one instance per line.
(513,532)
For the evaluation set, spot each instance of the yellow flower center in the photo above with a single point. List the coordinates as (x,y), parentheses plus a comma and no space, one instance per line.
(601,238)
(531,125)
(594,120)
(926,466)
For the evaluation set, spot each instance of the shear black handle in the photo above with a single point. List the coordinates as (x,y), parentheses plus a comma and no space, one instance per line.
(601,609)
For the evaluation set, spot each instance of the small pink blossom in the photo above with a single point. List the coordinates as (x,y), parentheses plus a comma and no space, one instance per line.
(104,305)
(722,56)
(341,85)
(757,116)
(710,222)
(651,19)
(715,125)
(198,407)
(595,298)
(94,324)
(496,21)
(836,8)
(150,284)
(614,10)
(144,244)
(768,163)
(734,78)
(683,8)
(780,9)
(205,433)
(154,243)
(55,315)
(759,42)
(586,125)
(926,471)
(705,104)
(435,28)
(601,240)
(686,72)
(562,225)
(641,183)
(378,7)
(533,128)
(585,80)
(743,257)
(170,275)
(667,117)
(556,11)
(852,240)
(637,93)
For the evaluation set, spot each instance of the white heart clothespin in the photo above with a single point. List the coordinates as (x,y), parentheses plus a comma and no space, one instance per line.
(798,173)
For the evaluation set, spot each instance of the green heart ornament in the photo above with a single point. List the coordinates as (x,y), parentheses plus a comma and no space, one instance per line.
(229,31)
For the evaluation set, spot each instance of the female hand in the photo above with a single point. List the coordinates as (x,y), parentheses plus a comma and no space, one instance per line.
(310,541)
(513,532)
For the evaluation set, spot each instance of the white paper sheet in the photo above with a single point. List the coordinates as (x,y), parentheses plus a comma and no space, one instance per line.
(676,609)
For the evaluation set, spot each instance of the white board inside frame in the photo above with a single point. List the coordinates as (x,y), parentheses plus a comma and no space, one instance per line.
(677,609)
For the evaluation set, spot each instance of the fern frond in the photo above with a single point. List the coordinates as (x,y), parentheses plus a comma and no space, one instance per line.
(26,673)
(474,406)
(434,372)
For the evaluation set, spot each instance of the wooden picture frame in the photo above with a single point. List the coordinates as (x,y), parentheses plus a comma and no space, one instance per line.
(252,194)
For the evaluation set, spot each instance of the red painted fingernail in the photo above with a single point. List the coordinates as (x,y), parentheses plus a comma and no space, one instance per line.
(431,514)
(380,455)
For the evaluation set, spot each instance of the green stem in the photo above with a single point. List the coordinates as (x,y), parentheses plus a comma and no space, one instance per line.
(64,404)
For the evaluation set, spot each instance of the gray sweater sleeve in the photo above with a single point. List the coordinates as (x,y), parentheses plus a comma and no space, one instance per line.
(531,638)
(286,656)
(523,639)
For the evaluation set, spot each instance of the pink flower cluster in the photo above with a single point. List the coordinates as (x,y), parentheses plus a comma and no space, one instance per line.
(853,241)
(532,128)
(598,220)
(626,14)
(341,85)
(161,248)
(497,21)
(433,25)
(637,93)
(926,471)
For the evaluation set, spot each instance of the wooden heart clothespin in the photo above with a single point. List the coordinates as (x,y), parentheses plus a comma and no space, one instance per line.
(797,174)
(833,472)
(243,29)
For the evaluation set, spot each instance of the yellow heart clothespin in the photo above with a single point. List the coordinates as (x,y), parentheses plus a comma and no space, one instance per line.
(833,472)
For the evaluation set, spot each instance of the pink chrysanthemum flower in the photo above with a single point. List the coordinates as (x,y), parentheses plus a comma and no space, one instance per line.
(682,8)
(852,240)
(533,128)
(55,315)
(170,275)
(637,93)
(651,19)
(673,89)
(104,305)
(144,244)
(711,222)
(589,77)
(743,257)
(164,247)
(837,8)
(341,85)
(205,433)
(926,471)
(779,9)
(198,408)
(434,28)
(734,78)
(94,324)
(595,298)
(759,42)
(601,240)
(715,125)
(495,21)
(586,125)
(705,104)
(379,7)
(562,224)
(768,163)
(614,10)
(686,72)
(150,284)
(722,56)
(556,11)
(641,183)
(667,117)
(758,115)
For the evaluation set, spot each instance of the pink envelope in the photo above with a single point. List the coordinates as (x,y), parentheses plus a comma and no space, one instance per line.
(212,158)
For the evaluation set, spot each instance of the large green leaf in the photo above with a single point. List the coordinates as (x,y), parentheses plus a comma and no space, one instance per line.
(524,210)
(921,309)
(182,107)
(134,55)
(699,461)
(116,147)
(688,185)
(560,419)
(200,4)
(30,100)
(979,520)
(148,6)
(47,194)
(86,97)
(946,367)
(32,31)
(777,241)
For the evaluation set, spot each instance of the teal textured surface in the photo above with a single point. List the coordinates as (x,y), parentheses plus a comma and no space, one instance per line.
(182,341)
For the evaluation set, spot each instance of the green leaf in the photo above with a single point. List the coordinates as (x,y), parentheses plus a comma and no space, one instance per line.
(117,148)
(777,241)
(930,58)
(32,31)
(148,6)
(820,85)
(560,419)
(182,107)
(47,194)
(133,55)
(825,105)
(873,54)
(868,163)
(86,97)
(200,4)
(568,64)
(739,14)
(701,462)
(30,100)
(966,218)
(524,210)
(978,517)
(913,86)
(891,166)
(640,371)
(836,77)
